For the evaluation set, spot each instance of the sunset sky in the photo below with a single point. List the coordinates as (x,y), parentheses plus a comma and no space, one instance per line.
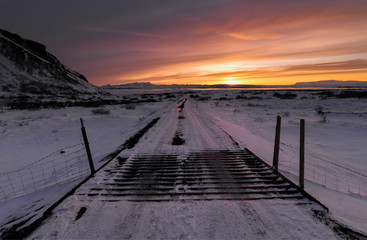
(199,42)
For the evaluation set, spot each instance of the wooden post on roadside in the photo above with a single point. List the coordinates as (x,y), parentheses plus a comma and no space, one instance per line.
(86,144)
(276,144)
(302,155)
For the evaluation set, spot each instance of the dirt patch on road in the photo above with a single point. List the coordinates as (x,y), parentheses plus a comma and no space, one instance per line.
(177,140)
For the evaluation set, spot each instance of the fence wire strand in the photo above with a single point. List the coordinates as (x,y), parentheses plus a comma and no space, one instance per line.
(59,167)
(326,173)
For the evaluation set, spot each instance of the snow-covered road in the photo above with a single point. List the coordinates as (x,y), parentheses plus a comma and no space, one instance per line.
(196,132)
(79,217)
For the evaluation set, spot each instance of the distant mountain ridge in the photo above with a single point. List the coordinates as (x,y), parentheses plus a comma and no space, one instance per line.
(27,68)
(324,83)
(148,85)
(332,83)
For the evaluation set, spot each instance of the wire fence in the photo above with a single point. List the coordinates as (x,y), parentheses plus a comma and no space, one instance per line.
(61,166)
(324,172)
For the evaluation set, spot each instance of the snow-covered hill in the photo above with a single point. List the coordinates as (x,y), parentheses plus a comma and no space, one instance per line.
(26,68)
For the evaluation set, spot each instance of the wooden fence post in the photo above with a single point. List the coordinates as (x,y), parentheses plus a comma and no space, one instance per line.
(86,144)
(302,154)
(276,144)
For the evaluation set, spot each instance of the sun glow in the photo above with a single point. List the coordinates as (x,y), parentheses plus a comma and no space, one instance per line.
(231,81)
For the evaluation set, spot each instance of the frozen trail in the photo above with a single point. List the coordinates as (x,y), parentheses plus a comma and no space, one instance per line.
(185,179)
(202,133)
(196,131)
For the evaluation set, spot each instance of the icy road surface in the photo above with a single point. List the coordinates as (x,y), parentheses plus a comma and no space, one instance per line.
(80,217)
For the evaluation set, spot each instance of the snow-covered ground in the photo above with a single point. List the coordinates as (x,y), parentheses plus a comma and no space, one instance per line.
(335,143)
(218,219)
(336,163)
(184,220)
(28,137)
(336,127)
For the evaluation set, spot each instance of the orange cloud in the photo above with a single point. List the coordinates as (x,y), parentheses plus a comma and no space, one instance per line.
(256,41)
(282,75)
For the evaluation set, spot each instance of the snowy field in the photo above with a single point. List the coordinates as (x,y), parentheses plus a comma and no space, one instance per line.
(336,163)
(336,130)
(44,136)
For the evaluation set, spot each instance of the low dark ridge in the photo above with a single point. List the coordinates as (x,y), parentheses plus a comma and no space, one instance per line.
(14,233)
(131,142)
(341,230)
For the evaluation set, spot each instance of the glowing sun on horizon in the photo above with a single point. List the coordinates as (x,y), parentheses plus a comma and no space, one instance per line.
(231,81)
